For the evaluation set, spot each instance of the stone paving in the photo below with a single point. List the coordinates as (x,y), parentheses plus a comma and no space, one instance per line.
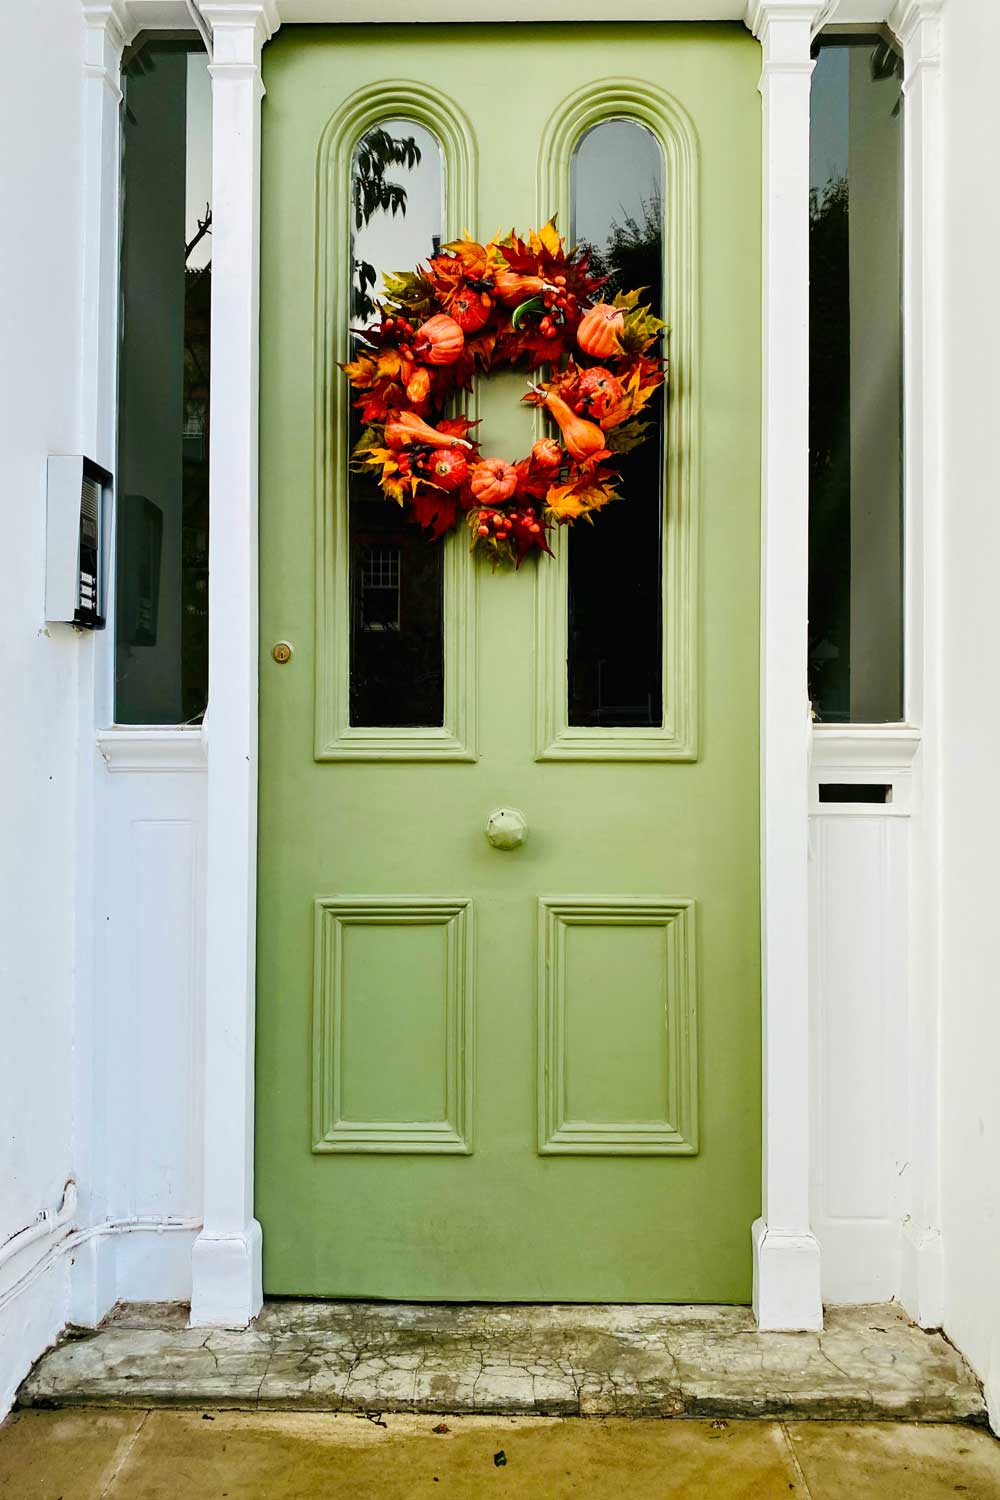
(869,1363)
(89,1454)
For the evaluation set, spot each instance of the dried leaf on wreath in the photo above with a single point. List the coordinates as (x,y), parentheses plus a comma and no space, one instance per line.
(628,436)
(436,511)
(642,328)
(410,291)
(577,498)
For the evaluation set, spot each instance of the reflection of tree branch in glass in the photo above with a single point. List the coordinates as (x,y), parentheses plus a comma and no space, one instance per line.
(371,193)
(204,227)
(633,254)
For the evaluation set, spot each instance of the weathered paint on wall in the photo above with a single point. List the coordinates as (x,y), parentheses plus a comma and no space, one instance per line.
(40,273)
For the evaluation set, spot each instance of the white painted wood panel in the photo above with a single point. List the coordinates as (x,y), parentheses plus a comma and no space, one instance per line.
(150,910)
(859,879)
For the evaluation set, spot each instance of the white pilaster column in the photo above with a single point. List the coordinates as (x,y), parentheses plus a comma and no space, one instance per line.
(786,1252)
(917,25)
(227,1254)
(108,26)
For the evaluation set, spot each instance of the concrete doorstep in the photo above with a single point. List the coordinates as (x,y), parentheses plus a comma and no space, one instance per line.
(870,1363)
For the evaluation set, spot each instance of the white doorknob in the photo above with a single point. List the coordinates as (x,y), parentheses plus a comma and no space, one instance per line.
(507,828)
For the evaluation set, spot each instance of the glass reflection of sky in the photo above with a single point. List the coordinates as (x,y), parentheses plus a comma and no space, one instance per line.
(397,243)
(619,152)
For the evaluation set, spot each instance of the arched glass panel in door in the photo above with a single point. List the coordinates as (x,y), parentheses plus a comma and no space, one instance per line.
(396,579)
(615,592)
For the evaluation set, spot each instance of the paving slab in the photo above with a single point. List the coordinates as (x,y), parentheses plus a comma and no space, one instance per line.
(267,1455)
(869,1363)
(64,1455)
(842,1462)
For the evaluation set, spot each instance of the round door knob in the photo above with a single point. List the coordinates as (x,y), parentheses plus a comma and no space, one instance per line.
(507,828)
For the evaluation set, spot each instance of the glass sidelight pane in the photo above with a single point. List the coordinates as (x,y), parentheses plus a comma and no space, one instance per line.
(161,541)
(396,574)
(615,636)
(856,388)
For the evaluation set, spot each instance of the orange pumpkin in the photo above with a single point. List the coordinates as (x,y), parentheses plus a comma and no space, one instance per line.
(447,468)
(547,453)
(493,481)
(600,393)
(439,341)
(470,309)
(600,330)
(404,428)
(583,439)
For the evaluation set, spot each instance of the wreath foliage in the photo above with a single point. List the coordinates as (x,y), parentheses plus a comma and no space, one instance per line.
(474,309)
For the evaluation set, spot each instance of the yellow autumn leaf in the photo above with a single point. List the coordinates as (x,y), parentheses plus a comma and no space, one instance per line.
(359,371)
(388,363)
(568,501)
(548,238)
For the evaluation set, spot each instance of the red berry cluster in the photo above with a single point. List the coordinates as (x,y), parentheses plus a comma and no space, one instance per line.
(502,522)
(560,305)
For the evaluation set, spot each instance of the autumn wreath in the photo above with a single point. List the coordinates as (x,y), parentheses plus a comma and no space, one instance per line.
(474,309)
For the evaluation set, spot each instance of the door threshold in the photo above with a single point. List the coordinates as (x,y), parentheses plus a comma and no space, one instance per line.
(869,1363)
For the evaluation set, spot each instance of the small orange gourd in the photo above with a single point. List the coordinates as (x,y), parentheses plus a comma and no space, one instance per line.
(405,428)
(600,330)
(583,439)
(493,481)
(439,341)
(418,387)
(511,287)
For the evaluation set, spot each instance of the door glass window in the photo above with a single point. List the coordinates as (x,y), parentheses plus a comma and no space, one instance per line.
(396,575)
(161,541)
(855,383)
(615,636)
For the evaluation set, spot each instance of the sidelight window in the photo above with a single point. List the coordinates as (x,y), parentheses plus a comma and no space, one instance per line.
(161,552)
(855,374)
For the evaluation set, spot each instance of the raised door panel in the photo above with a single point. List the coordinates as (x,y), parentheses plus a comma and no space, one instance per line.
(393,1026)
(617,1027)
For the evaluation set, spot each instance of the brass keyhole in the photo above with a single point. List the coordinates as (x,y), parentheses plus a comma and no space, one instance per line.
(282,652)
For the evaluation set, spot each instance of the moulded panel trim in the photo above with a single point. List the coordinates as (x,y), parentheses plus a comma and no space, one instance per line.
(153,749)
(677,737)
(676,1132)
(864,747)
(335,737)
(331,1130)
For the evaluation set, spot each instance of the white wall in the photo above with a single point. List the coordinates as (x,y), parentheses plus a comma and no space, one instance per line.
(40,277)
(970,1020)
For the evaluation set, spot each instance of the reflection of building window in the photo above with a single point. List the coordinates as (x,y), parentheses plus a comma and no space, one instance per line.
(855,383)
(380,588)
(161,565)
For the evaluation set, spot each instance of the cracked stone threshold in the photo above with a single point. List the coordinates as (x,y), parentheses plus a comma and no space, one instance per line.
(870,1363)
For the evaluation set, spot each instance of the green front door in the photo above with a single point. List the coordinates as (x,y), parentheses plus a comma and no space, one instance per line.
(527,1073)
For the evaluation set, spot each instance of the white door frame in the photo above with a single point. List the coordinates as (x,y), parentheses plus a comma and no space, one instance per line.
(227,1254)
